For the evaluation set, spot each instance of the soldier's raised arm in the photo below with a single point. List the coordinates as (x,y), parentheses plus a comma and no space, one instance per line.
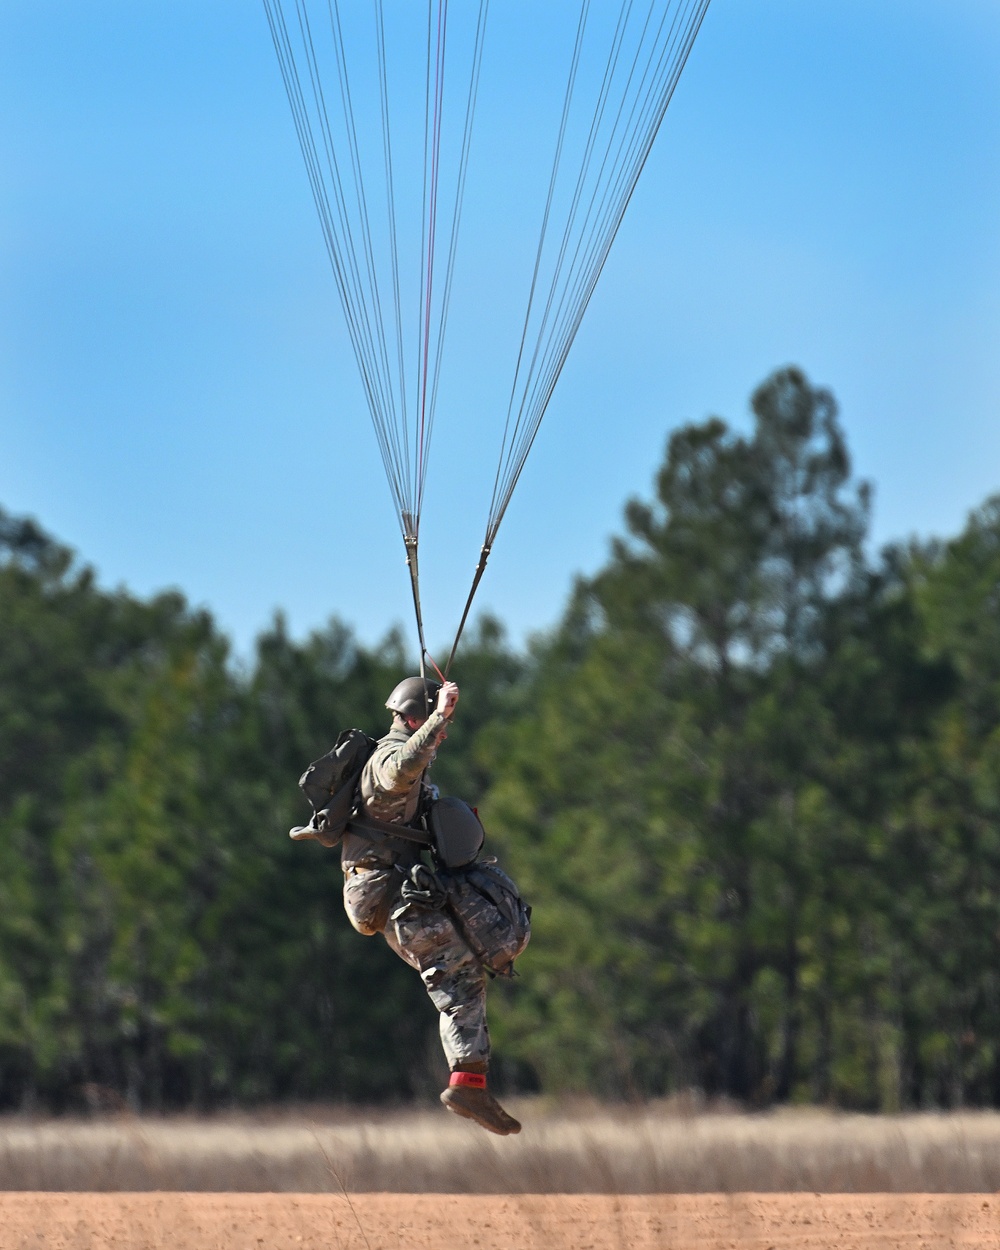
(409,748)
(447,698)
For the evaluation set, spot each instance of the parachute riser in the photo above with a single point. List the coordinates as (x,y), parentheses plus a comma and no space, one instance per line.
(410,542)
(484,555)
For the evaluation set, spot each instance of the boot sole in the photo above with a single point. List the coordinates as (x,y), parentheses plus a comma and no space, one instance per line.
(458,1109)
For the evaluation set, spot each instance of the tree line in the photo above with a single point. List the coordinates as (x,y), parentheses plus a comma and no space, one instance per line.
(750,783)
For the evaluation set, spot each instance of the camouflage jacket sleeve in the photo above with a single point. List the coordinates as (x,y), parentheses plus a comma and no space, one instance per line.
(390,782)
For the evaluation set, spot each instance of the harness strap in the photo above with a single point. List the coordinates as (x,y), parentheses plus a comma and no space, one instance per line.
(377,830)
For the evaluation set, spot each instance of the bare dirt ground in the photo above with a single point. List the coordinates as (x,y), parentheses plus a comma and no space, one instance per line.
(204,1221)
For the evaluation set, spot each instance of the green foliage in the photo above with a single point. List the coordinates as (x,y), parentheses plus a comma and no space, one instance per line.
(749,784)
(707,792)
(161,939)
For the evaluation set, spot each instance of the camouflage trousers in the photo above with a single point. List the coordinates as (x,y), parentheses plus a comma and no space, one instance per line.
(427,940)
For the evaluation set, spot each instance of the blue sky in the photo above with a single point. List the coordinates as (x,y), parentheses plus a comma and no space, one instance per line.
(177,393)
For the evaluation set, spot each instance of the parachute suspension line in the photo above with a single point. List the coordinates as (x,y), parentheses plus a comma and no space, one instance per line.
(493,523)
(578,191)
(574,204)
(330,132)
(368,296)
(615,197)
(336,227)
(456,220)
(428,404)
(649,45)
(340,186)
(434,309)
(496,516)
(607,180)
(432,154)
(394,432)
(383,79)
(492,527)
(616,149)
(293,89)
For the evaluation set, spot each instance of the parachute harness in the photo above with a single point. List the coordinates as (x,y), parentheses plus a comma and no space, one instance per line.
(646,52)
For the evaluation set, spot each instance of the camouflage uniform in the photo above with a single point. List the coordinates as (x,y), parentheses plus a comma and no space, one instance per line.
(373,874)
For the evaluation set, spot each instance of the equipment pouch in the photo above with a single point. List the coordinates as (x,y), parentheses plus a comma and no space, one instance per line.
(492,915)
(485,905)
(456,831)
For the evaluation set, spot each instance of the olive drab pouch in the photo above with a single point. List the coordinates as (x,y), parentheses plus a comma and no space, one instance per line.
(330,784)
(457,832)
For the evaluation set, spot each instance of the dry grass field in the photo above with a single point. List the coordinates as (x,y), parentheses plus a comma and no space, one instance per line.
(653,1149)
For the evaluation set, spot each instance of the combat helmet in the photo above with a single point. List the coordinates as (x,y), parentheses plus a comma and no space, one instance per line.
(414,696)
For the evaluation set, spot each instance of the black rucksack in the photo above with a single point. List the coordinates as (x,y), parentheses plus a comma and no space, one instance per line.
(330,784)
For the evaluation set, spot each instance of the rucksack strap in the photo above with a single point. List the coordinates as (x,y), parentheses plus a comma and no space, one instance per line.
(379,830)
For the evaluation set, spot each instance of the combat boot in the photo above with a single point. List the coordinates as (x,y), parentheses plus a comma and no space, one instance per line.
(468,1096)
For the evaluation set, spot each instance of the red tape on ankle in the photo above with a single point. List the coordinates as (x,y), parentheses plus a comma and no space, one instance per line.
(475,1079)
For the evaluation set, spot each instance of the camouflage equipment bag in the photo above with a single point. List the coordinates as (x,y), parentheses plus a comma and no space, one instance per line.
(494,918)
(485,905)
(330,784)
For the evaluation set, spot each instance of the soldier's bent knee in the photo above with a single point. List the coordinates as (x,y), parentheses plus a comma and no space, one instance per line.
(366,928)
(368,895)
